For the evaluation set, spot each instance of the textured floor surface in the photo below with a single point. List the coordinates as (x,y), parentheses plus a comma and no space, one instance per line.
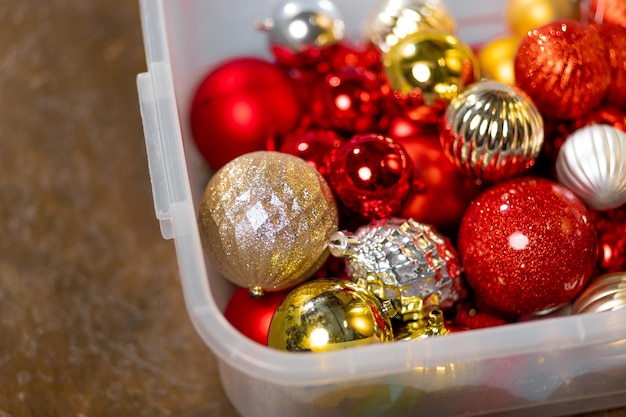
(92,321)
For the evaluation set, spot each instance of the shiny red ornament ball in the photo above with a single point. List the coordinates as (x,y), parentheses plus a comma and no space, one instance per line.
(348,101)
(443,193)
(371,176)
(604,11)
(564,68)
(527,246)
(252,315)
(614,37)
(240,107)
(611,227)
(314,146)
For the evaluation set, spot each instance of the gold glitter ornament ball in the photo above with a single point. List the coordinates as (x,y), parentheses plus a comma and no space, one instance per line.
(265,218)
(497,58)
(524,15)
(439,64)
(329,314)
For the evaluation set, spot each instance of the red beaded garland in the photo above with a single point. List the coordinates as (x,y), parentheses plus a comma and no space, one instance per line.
(527,245)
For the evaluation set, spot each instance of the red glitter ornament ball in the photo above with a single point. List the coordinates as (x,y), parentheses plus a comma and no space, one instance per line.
(348,101)
(604,11)
(564,68)
(527,246)
(314,146)
(371,176)
(444,192)
(614,38)
(251,315)
(240,107)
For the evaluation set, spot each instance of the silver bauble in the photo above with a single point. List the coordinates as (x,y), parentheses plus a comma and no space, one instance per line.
(604,293)
(592,164)
(298,25)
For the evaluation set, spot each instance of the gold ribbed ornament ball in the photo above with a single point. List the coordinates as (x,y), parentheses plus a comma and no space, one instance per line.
(329,314)
(265,218)
(440,65)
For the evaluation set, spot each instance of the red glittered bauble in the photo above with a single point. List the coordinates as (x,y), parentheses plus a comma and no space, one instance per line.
(527,245)
(564,68)
(252,315)
(348,101)
(604,11)
(444,193)
(614,37)
(314,146)
(371,176)
(240,107)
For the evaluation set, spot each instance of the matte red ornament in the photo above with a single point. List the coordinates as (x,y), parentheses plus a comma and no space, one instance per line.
(611,227)
(348,101)
(371,176)
(527,246)
(444,192)
(614,37)
(252,315)
(239,107)
(564,68)
(314,146)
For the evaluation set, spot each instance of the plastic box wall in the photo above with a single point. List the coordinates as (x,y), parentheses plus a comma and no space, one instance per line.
(553,366)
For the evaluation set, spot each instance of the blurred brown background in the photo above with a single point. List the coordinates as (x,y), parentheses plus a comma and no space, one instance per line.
(92,321)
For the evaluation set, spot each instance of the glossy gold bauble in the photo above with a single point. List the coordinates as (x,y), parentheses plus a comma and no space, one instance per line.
(265,218)
(524,15)
(440,65)
(329,314)
(497,58)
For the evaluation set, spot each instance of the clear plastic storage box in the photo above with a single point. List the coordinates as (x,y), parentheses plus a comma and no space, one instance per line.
(553,366)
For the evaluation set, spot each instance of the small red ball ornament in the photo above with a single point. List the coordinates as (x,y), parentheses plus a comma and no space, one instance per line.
(611,227)
(314,146)
(564,67)
(371,176)
(614,37)
(252,315)
(348,101)
(239,107)
(444,192)
(527,246)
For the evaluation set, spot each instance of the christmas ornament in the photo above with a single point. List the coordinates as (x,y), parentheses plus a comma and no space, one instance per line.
(522,16)
(591,163)
(241,105)
(393,20)
(438,64)
(611,228)
(564,68)
(432,325)
(371,176)
(444,193)
(492,131)
(265,218)
(402,261)
(327,314)
(299,30)
(252,315)
(314,146)
(604,293)
(527,245)
(604,11)
(496,58)
(614,37)
(348,101)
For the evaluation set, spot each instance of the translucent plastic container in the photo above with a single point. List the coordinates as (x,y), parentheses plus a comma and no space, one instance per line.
(552,366)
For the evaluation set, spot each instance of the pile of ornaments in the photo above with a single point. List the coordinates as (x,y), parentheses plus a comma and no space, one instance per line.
(406,185)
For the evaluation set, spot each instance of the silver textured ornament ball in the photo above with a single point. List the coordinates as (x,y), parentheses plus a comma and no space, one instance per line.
(492,131)
(403,261)
(592,164)
(298,25)
(604,293)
